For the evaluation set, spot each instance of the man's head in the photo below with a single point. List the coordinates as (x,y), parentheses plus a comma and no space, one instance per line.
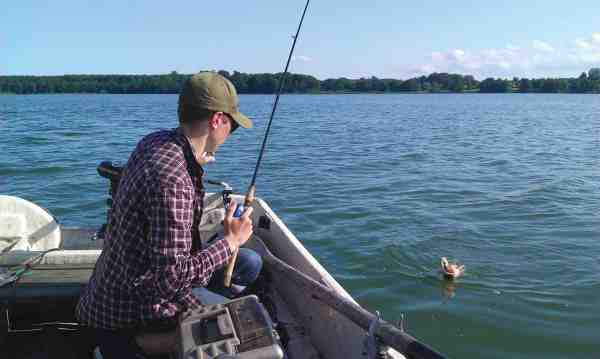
(208,110)
(206,93)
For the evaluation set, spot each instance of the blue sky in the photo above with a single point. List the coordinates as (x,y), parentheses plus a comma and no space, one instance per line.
(397,39)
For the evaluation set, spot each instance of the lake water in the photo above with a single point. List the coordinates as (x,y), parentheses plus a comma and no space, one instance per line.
(378,188)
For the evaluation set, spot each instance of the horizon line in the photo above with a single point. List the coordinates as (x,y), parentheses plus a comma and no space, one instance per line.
(294,73)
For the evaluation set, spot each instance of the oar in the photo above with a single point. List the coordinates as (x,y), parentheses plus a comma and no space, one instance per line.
(387,333)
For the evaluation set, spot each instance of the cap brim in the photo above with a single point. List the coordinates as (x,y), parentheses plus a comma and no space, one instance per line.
(241,119)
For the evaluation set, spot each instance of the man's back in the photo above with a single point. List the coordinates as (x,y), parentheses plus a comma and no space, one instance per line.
(145,273)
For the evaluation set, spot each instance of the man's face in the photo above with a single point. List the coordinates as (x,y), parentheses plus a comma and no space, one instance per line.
(221,126)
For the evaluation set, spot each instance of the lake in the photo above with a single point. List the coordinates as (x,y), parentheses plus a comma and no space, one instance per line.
(379,188)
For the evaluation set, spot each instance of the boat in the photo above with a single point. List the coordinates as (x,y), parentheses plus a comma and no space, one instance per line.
(45,266)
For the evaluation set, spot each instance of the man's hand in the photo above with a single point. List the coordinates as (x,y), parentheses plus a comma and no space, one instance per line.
(237,231)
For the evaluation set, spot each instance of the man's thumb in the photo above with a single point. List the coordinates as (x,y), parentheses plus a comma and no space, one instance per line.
(231,209)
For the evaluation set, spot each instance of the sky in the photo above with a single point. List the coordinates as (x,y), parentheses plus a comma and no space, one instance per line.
(350,38)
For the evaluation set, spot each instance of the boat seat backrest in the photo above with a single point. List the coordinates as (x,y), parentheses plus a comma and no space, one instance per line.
(26,226)
(12,230)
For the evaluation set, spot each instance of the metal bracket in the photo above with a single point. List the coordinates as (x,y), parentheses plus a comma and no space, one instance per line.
(227,191)
(401,322)
(371,344)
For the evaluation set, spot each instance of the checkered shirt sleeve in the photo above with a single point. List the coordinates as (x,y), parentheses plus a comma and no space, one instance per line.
(171,218)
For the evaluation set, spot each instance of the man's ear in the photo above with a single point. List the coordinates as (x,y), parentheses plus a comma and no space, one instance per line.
(213,121)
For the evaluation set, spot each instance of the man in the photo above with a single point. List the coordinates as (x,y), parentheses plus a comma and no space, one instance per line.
(152,257)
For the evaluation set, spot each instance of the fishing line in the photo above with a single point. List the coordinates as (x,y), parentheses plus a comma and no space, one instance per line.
(281,84)
(250,194)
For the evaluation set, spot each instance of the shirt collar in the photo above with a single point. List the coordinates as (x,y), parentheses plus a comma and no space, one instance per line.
(188,152)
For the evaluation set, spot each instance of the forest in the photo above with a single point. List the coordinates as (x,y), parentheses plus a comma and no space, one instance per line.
(266,83)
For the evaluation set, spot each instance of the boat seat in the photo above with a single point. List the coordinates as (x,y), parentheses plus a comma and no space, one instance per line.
(26,226)
(65,258)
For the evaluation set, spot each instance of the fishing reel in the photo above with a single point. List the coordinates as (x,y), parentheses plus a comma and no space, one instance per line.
(226,194)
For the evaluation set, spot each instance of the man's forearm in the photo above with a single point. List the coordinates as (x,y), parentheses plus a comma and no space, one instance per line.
(212,258)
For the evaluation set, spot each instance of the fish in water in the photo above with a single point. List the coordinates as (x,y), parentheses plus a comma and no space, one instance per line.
(451,270)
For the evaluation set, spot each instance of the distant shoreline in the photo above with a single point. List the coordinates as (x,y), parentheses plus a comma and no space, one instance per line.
(318,93)
(268,83)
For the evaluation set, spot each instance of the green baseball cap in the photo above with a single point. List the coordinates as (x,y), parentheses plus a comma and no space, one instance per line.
(211,91)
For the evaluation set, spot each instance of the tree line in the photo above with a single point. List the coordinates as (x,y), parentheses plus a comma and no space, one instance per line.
(586,83)
(265,83)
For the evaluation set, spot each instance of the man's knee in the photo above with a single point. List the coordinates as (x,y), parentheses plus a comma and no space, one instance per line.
(248,266)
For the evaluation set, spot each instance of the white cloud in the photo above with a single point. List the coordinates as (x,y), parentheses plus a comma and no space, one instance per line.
(302,58)
(458,53)
(582,44)
(587,51)
(542,46)
(538,60)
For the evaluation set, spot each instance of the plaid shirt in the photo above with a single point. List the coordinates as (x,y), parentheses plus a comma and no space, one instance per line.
(151,257)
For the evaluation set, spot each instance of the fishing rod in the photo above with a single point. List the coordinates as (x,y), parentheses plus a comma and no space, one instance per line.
(250,194)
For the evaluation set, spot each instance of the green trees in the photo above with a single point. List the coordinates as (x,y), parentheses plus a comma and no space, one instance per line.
(411,85)
(490,85)
(456,83)
(171,83)
(336,85)
(265,83)
(240,80)
(581,84)
(524,85)
(245,83)
(550,86)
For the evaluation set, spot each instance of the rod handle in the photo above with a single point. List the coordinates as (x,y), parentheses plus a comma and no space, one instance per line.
(250,195)
(229,270)
(248,199)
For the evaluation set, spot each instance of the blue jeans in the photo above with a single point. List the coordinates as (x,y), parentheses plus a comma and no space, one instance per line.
(246,270)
